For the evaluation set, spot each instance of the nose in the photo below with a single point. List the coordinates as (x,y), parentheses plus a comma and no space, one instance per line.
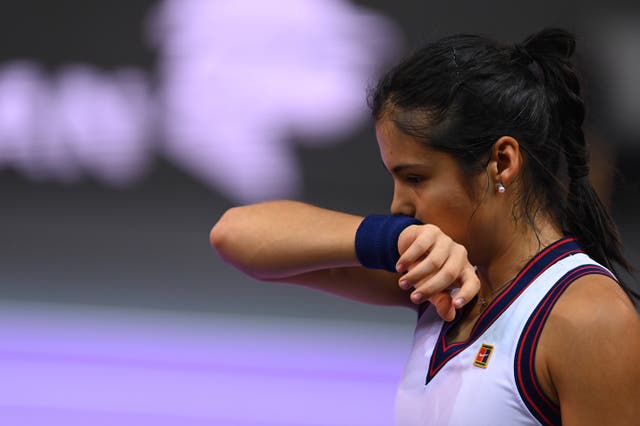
(401,203)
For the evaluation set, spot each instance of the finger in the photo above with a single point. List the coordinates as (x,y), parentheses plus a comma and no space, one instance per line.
(443,305)
(469,287)
(432,262)
(446,277)
(407,236)
(421,240)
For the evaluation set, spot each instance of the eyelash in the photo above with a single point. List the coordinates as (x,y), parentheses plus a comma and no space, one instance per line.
(414,180)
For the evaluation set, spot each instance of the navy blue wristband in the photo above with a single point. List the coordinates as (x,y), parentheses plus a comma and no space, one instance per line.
(377,240)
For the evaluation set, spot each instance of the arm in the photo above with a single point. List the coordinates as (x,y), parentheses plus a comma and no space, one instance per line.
(280,239)
(288,241)
(592,354)
(293,242)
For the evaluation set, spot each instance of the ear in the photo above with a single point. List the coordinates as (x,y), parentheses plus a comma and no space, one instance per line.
(507,161)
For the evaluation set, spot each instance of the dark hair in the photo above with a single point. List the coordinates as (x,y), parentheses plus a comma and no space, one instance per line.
(461,93)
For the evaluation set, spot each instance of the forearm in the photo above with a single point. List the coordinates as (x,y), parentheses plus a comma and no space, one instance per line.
(288,241)
(279,239)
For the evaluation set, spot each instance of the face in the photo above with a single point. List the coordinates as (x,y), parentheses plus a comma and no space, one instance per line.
(430,186)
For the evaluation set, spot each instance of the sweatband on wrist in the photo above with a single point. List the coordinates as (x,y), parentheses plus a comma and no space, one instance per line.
(377,240)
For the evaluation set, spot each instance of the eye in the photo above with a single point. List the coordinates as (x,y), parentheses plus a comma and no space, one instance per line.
(414,179)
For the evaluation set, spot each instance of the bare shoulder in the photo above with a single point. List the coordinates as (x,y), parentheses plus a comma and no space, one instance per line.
(592,341)
(593,311)
(594,300)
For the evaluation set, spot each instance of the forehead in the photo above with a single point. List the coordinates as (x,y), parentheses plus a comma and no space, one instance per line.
(400,151)
(396,146)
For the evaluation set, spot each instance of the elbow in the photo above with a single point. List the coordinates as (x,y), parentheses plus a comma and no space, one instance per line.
(238,240)
(216,236)
(219,236)
(227,241)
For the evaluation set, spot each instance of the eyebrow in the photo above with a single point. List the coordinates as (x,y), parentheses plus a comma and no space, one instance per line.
(401,167)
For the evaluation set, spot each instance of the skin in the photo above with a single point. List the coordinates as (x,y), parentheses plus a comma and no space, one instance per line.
(588,356)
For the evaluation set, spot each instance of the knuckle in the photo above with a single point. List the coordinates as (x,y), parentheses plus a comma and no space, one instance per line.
(422,244)
(476,284)
(434,229)
(440,259)
(462,250)
(428,265)
(448,275)
(405,235)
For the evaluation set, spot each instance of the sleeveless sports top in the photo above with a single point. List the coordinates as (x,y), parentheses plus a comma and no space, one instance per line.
(489,379)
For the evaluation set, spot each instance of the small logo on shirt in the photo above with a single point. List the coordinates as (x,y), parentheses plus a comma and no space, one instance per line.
(482,358)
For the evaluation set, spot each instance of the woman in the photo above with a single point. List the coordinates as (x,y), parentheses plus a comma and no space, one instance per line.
(485,146)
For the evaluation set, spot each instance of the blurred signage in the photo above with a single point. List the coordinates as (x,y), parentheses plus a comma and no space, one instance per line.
(236,82)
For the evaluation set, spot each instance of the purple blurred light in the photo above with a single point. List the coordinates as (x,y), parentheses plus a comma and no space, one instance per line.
(63,365)
(82,119)
(238,81)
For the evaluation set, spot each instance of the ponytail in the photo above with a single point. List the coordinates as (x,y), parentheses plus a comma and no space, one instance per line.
(584,215)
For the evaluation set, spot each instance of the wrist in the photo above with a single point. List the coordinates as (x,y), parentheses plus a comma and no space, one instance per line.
(376,240)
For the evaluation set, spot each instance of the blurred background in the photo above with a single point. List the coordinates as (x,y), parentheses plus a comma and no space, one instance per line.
(128,128)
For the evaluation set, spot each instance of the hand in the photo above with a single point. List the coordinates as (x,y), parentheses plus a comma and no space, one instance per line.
(435,266)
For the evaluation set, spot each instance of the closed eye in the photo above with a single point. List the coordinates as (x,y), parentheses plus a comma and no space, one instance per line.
(414,179)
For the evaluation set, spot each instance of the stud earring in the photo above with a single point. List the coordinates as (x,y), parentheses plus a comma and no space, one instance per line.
(501,188)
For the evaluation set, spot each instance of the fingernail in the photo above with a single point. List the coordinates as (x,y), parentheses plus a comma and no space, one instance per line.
(416,297)
(404,284)
(399,267)
(458,302)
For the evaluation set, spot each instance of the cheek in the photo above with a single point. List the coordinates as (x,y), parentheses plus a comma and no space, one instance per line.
(449,209)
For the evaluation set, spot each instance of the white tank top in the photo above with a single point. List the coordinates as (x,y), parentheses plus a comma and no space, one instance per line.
(489,379)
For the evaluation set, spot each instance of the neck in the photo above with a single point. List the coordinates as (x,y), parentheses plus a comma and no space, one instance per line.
(511,254)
